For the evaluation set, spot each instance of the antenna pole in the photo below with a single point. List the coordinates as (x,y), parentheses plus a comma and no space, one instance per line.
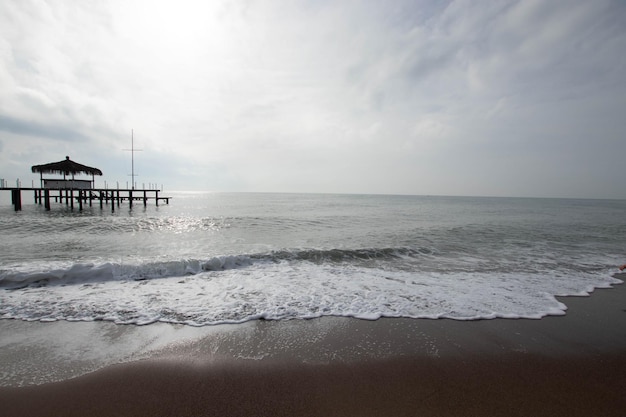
(132,157)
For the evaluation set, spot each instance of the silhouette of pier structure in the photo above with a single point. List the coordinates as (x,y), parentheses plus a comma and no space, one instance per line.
(76,192)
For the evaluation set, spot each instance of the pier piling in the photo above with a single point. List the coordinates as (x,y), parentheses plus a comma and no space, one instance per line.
(82,196)
(16,198)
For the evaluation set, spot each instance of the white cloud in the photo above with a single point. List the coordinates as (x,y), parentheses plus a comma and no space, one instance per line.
(426,97)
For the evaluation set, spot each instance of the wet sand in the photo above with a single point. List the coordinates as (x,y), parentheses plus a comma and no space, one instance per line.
(572,365)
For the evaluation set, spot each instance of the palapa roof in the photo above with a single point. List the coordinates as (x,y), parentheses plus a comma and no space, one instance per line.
(66,167)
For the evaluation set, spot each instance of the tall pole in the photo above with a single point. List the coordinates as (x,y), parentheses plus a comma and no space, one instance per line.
(132,157)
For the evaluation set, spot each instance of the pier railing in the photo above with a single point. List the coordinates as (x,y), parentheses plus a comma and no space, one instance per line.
(6,184)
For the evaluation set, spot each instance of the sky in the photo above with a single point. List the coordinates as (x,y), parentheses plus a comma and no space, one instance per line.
(463,97)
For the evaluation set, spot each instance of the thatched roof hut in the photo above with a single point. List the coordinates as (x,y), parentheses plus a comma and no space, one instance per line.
(65,167)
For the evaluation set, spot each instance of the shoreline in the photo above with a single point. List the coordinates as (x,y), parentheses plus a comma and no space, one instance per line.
(558,365)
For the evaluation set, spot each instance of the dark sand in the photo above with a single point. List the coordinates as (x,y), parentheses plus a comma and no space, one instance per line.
(572,365)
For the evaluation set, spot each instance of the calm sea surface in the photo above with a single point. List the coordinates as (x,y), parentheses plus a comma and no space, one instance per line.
(209,258)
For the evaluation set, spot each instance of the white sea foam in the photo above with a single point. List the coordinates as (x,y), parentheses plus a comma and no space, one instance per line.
(235,290)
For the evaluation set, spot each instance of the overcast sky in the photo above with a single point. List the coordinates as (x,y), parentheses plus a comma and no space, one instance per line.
(495,98)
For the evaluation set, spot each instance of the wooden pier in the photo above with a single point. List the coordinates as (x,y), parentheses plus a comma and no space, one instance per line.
(79,197)
(79,192)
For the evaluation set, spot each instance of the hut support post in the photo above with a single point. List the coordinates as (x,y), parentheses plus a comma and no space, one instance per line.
(46,194)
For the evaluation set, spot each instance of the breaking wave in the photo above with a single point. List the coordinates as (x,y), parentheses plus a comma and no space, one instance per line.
(109,271)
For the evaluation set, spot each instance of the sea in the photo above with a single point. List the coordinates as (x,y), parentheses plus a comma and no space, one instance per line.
(211,258)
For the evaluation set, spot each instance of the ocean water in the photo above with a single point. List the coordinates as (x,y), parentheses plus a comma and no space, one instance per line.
(212,258)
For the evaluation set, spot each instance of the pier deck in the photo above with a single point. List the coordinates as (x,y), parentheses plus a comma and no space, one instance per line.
(80,197)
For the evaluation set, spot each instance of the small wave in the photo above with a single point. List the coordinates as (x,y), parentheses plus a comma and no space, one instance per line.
(321,256)
(75,273)
(90,272)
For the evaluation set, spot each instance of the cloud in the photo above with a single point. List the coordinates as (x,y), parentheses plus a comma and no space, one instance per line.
(21,127)
(424,97)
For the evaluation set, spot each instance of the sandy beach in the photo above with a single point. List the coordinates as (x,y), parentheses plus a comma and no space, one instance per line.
(572,365)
